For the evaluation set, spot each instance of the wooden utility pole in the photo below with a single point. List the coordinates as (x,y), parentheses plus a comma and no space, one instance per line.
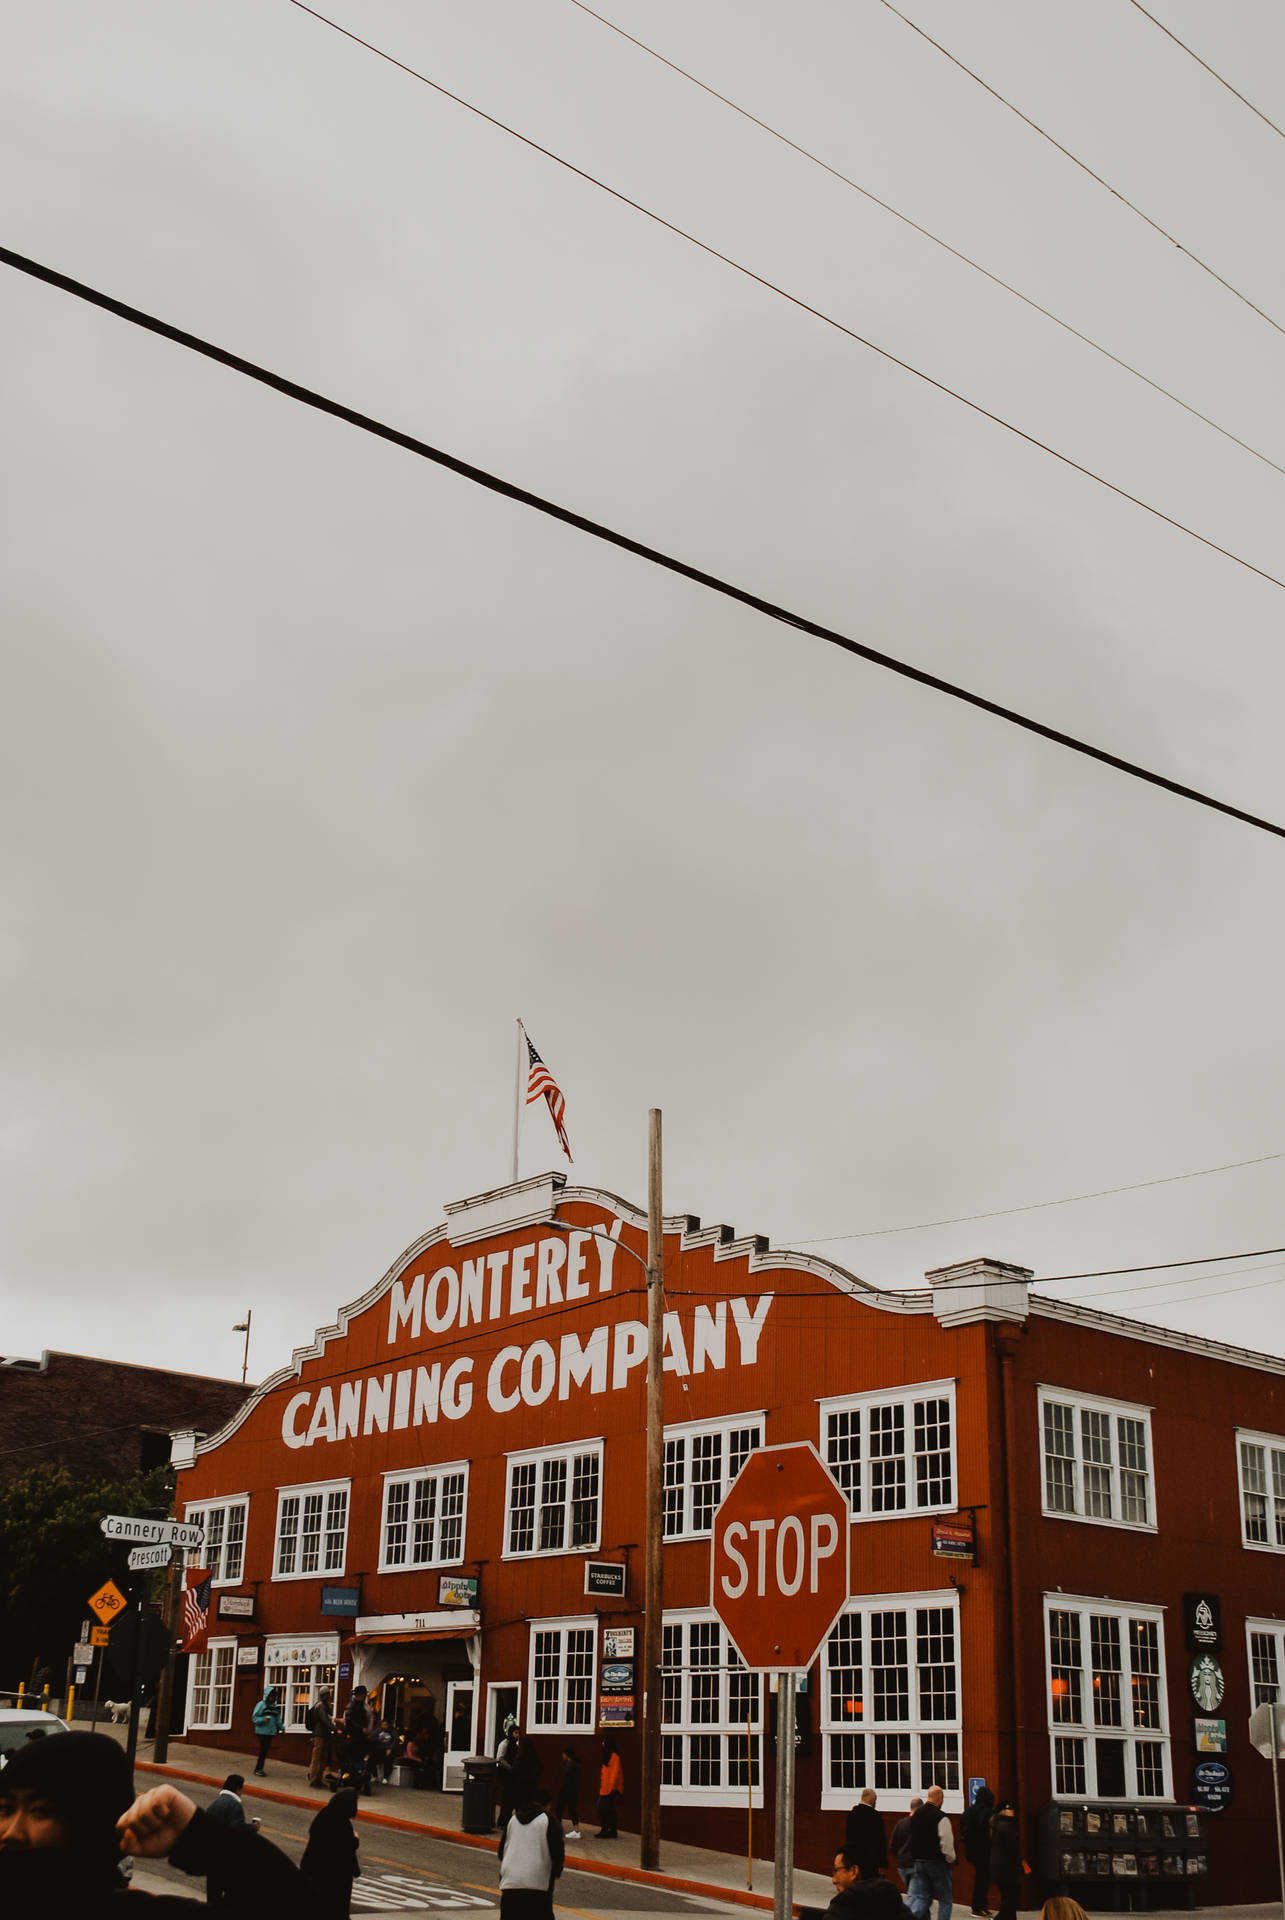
(654,1587)
(165,1686)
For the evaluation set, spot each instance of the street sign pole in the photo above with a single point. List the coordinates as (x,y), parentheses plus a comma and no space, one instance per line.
(165,1686)
(783,1877)
(131,1738)
(1276,1797)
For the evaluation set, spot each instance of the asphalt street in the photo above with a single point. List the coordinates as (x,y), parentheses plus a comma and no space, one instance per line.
(413,1872)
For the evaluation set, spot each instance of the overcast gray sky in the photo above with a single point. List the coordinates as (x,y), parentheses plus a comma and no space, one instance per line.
(321,765)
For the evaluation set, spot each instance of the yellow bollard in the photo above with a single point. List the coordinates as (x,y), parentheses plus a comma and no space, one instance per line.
(44,1698)
(22,1688)
(71,1703)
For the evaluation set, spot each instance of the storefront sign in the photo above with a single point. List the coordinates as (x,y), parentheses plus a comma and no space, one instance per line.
(247,1656)
(617,1676)
(341,1601)
(1202,1621)
(954,1539)
(616,1710)
(236,1606)
(1207,1683)
(1210,1735)
(618,1643)
(1211,1785)
(322,1652)
(457,1590)
(605,1577)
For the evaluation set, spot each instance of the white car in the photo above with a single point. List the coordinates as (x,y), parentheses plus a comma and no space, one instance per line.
(17,1726)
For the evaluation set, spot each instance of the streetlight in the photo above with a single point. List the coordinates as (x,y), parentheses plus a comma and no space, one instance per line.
(653,1574)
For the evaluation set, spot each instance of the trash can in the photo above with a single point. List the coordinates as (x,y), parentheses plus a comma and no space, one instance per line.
(477,1808)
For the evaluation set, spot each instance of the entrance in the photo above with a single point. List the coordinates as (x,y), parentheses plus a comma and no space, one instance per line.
(405,1699)
(502,1699)
(460,1698)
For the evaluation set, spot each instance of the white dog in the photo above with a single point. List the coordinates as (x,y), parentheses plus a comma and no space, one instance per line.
(117,1711)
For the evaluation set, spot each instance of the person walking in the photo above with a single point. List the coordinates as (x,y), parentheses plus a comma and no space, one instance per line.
(356,1755)
(226,1804)
(932,1846)
(505,1759)
(863,1896)
(568,1801)
(320,1722)
(329,1861)
(531,1858)
(611,1784)
(1006,1858)
(975,1832)
(864,1837)
(899,1842)
(267,1721)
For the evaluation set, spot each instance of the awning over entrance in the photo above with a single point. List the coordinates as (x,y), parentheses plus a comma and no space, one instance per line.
(400,1639)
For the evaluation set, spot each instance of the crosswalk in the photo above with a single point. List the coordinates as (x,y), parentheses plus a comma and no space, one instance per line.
(410,1893)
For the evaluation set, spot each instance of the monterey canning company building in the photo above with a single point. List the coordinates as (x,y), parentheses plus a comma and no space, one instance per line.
(1067,1546)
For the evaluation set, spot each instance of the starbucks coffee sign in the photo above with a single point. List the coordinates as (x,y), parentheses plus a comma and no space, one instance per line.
(1207,1683)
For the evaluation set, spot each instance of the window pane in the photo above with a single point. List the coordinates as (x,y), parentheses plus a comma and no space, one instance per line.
(1149,1764)
(1095,1436)
(848,1761)
(1066,1706)
(707,1478)
(892,1762)
(450,1532)
(843,1452)
(1104,1638)
(1059,1457)
(1264,1670)
(1111,1775)
(522,1508)
(939,1761)
(935,1654)
(889,1672)
(1068,1768)
(553,1504)
(584,1500)
(1144,1654)
(844,1662)
(887,1459)
(397,1509)
(675,1481)
(1133,1470)
(932,1453)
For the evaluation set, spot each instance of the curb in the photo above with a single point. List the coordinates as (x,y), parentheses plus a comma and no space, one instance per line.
(608,1869)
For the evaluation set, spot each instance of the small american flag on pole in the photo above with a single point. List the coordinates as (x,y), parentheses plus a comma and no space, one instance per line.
(541,1084)
(196,1605)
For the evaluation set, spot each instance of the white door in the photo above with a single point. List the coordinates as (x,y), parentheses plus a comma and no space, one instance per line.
(461,1727)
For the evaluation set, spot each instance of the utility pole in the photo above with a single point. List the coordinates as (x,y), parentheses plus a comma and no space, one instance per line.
(654,1587)
(165,1687)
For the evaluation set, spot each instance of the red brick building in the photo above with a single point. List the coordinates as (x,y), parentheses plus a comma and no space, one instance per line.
(101,1417)
(416,1502)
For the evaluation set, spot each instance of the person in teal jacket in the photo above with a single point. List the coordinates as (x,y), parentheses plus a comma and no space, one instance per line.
(267,1721)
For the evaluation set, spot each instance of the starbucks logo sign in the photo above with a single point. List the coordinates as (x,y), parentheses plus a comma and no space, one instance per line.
(1207,1683)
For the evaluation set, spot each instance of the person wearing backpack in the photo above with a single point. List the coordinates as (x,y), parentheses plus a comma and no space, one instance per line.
(320,1722)
(267,1721)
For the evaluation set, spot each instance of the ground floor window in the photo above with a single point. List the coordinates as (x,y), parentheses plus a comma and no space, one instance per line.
(210,1685)
(890,1706)
(1107,1715)
(712,1709)
(562,1675)
(300,1669)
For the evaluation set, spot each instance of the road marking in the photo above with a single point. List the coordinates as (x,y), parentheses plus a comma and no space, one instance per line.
(396,1891)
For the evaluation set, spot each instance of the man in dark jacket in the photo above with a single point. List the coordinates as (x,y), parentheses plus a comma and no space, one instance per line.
(932,1845)
(975,1832)
(862,1896)
(899,1844)
(864,1837)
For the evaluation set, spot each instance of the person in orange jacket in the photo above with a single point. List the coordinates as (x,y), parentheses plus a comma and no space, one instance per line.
(611,1784)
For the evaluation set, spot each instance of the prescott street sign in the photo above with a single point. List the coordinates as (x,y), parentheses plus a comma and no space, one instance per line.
(141,1558)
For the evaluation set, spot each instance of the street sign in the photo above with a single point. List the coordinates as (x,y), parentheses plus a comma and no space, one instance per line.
(83,1653)
(141,1557)
(779,1558)
(1260,1730)
(100,1636)
(108,1602)
(170,1533)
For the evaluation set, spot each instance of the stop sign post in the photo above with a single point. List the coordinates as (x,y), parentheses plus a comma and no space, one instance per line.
(778,1582)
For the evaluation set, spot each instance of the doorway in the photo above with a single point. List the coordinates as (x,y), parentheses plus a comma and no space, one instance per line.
(503,1698)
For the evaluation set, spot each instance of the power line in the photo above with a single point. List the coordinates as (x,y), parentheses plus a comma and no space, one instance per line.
(1193,1280)
(1212,71)
(1035,1206)
(1157,1266)
(927,233)
(306,396)
(1081,164)
(804,306)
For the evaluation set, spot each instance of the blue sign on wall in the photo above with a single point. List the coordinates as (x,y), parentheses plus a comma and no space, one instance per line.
(976,1781)
(1211,1785)
(342,1600)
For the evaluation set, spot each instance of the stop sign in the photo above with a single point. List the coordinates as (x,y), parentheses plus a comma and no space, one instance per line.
(779,1558)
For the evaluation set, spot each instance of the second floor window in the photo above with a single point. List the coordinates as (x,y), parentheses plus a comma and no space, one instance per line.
(1096,1457)
(1261,1459)
(424,1518)
(893,1453)
(1266,1661)
(554,1500)
(312,1530)
(224,1549)
(701,1463)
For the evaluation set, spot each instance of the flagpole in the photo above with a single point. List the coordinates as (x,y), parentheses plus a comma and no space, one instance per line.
(517,1101)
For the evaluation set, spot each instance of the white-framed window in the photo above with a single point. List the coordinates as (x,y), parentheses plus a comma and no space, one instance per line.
(209,1687)
(1108,1717)
(712,1714)
(701,1461)
(423,1518)
(893,1453)
(300,1668)
(554,1500)
(1265,1642)
(563,1675)
(890,1705)
(224,1550)
(312,1530)
(1260,1464)
(1095,1458)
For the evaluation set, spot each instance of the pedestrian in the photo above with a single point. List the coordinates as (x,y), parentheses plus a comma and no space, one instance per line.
(1006,1858)
(505,1756)
(531,1858)
(975,1832)
(357,1740)
(320,1722)
(568,1801)
(227,1804)
(267,1721)
(932,1847)
(864,1837)
(899,1844)
(68,1813)
(863,1896)
(611,1784)
(330,1858)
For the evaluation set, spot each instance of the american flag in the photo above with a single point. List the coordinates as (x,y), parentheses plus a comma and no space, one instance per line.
(541,1083)
(196,1605)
